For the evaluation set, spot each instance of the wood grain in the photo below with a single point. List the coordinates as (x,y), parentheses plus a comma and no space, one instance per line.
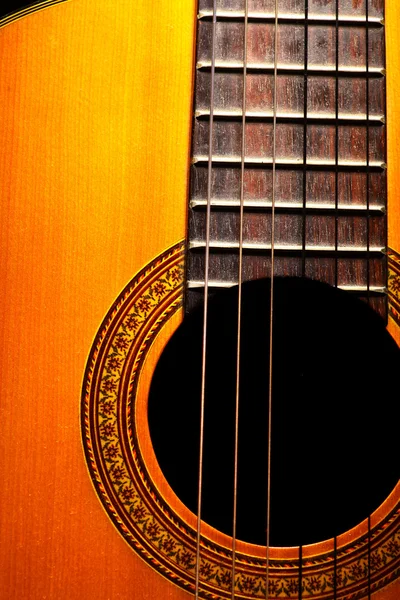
(94,126)
(392,21)
(94,122)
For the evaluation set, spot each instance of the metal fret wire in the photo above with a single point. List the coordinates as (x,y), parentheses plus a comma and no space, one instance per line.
(271,319)
(205,311)
(239,321)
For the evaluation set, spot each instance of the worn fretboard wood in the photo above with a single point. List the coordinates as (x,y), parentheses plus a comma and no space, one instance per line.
(330,183)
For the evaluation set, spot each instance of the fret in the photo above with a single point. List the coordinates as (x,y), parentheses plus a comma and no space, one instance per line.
(228,284)
(257,8)
(286,247)
(320,193)
(315,119)
(321,44)
(289,143)
(316,207)
(286,161)
(212,284)
(352,268)
(376,295)
(289,9)
(321,96)
(352,231)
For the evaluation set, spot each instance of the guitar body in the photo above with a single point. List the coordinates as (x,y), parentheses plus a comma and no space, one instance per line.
(95,125)
(95,121)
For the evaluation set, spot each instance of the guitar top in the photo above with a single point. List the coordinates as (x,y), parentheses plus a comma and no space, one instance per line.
(96,147)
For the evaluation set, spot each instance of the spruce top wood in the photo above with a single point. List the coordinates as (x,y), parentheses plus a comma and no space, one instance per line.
(94,160)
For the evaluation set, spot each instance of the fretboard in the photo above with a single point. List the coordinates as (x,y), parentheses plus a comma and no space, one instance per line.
(330,145)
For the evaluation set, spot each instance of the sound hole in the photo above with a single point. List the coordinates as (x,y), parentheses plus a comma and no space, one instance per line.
(334,416)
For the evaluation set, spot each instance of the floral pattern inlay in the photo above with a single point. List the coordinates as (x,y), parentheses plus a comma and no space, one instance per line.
(394,284)
(141,515)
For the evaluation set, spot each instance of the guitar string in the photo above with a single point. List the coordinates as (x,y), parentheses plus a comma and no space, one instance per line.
(205,309)
(337,8)
(368,179)
(206,283)
(369,557)
(304,225)
(240,280)
(368,173)
(271,315)
(336,139)
(305,127)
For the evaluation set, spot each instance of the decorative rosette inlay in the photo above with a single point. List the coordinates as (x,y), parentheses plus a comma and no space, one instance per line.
(125,487)
(394,285)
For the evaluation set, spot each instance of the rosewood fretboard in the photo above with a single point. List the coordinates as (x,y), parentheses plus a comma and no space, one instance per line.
(330,190)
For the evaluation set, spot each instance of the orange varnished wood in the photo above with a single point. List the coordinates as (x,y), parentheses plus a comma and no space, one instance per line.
(392,21)
(94,127)
(391,592)
(394,330)
(94,124)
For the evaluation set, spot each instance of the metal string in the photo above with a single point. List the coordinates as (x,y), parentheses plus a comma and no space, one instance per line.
(304,221)
(239,320)
(368,173)
(335,551)
(369,557)
(206,282)
(305,128)
(336,143)
(271,298)
(368,198)
(335,568)
(205,311)
(300,571)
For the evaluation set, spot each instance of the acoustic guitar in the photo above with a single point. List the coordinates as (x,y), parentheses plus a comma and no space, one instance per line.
(200,259)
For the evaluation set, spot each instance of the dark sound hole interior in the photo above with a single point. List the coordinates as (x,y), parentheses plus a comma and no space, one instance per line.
(334,412)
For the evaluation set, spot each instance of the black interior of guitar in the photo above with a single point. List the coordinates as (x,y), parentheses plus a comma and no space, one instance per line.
(334,411)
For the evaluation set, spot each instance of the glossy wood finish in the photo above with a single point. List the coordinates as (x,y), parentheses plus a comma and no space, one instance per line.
(93,163)
(94,122)
(392,20)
